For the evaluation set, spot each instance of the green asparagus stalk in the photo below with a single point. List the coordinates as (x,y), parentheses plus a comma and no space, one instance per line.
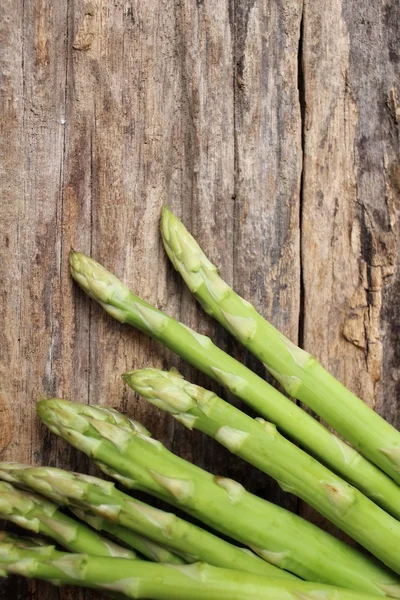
(138,579)
(278,536)
(11,546)
(36,514)
(28,543)
(300,374)
(199,350)
(260,444)
(106,502)
(14,548)
(151,550)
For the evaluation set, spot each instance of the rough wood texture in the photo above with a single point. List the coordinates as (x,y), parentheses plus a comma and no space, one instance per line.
(270,126)
(351,195)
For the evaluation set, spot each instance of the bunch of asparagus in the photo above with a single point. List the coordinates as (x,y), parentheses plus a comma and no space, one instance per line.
(112,539)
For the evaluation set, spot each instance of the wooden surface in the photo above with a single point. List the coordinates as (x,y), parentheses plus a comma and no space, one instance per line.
(271,127)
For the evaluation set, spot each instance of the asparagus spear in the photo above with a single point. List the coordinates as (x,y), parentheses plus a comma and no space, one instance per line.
(278,536)
(11,546)
(14,549)
(31,546)
(139,579)
(199,350)
(35,513)
(145,546)
(301,375)
(105,501)
(26,542)
(260,444)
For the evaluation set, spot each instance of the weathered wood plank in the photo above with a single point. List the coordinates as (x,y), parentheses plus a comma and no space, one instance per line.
(350,240)
(350,196)
(47,356)
(34,258)
(207,108)
(12,193)
(11,204)
(266,250)
(108,110)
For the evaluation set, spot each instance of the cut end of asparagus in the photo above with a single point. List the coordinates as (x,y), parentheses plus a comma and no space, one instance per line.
(169,391)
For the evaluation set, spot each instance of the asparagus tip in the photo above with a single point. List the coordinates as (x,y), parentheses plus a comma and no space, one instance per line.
(165,211)
(166,390)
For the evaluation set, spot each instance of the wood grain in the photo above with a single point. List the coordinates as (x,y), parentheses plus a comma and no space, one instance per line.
(350,196)
(270,127)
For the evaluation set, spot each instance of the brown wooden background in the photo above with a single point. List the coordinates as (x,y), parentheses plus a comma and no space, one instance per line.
(270,126)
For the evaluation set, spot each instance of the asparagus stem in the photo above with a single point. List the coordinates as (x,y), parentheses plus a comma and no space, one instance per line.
(199,351)
(28,543)
(278,536)
(36,514)
(15,549)
(12,547)
(260,444)
(32,545)
(137,579)
(301,375)
(151,550)
(103,500)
